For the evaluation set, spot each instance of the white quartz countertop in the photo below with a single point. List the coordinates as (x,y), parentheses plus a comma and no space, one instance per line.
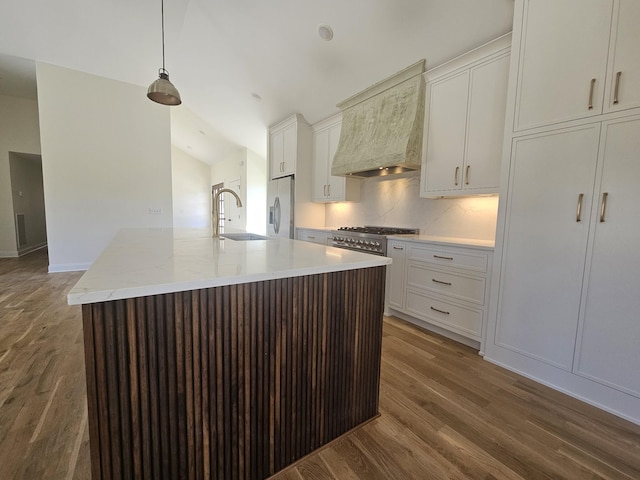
(141,262)
(450,241)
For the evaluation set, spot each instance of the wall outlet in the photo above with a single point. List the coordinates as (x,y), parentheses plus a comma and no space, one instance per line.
(155,211)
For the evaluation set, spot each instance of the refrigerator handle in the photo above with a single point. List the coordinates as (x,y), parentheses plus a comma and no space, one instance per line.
(277,214)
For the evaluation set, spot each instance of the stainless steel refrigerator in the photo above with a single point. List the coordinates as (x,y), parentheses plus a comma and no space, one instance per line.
(280,199)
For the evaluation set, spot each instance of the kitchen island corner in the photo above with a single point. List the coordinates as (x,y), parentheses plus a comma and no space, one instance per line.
(212,358)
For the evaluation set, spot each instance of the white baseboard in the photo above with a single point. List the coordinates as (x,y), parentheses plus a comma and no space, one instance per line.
(605,398)
(20,253)
(69,267)
(28,250)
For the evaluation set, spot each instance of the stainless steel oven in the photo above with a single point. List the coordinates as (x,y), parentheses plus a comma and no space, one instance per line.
(368,239)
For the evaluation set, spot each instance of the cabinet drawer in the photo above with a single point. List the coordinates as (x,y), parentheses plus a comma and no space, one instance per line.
(466,321)
(470,289)
(313,236)
(449,257)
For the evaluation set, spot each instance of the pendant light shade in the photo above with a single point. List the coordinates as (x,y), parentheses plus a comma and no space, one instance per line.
(162,90)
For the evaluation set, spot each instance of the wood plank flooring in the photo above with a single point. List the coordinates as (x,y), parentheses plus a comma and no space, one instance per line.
(445,413)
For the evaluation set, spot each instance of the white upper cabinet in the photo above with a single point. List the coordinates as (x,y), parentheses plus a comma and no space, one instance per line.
(326,187)
(485,131)
(563,72)
(446,131)
(464,122)
(623,89)
(289,141)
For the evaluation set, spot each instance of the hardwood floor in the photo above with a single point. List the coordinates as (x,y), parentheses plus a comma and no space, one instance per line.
(445,413)
(43,431)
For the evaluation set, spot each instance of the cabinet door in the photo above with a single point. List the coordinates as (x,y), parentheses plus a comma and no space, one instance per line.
(446,133)
(545,245)
(320,158)
(564,46)
(276,153)
(485,130)
(336,185)
(624,71)
(396,277)
(609,350)
(290,150)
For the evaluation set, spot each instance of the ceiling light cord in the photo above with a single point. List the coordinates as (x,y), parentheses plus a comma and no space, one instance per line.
(162,16)
(162,90)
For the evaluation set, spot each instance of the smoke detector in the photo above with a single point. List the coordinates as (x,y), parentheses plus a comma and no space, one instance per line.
(325,32)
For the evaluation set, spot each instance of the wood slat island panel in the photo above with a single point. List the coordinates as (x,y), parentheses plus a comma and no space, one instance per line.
(231,382)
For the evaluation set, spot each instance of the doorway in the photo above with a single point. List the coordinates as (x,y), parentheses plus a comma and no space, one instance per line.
(229,214)
(233,213)
(27,194)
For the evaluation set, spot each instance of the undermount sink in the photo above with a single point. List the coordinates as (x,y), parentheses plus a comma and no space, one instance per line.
(243,237)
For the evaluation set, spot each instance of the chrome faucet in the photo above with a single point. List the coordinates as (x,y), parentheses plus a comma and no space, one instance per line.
(216,209)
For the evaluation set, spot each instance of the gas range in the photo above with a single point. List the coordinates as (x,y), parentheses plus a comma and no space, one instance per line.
(368,239)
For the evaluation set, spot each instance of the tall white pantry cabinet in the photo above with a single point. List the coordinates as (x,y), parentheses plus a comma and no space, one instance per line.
(566,297)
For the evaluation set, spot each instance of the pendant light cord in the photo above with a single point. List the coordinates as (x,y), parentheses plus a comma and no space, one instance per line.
(162,14)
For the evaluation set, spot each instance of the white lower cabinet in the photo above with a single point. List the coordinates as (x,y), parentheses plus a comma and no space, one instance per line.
(609,338)
(551,186)
(443,285)
(396,274)
(321,237)
(569,294)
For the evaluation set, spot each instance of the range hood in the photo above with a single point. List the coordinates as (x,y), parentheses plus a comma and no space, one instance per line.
(382,127)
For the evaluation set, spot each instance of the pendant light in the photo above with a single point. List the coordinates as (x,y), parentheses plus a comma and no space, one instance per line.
(162,90)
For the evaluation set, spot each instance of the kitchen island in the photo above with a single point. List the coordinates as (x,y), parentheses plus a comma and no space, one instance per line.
(210,358)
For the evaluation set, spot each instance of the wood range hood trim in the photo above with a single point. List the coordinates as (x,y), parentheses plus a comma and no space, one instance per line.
(382,127)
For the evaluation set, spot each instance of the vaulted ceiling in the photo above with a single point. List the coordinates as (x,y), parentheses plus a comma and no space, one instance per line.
(241,65)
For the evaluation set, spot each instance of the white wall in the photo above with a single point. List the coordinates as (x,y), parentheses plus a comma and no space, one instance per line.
(251,169)
(28,198)
(256,193)
(106,158)
(191,180)
(397,203)
(229,169)
(19,132)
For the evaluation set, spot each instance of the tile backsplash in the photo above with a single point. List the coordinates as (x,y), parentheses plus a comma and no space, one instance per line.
(397,203)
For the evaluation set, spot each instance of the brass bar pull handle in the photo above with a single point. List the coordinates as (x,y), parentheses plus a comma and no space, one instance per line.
(441,282)
(443,258)
(593,84)
(398,248)
(466,175)
(439,311)
(455,176)
(615,91)
(603,207)
(579,209)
